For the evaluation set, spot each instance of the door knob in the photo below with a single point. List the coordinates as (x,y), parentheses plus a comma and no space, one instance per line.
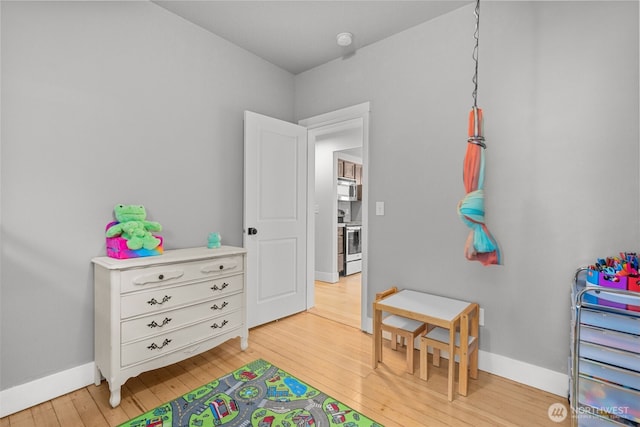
(252,231)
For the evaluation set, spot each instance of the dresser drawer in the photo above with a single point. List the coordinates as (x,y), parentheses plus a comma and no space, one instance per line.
(611,356)
(142,278)
(174,340)
(160,299)
(613,321)
(169,320)
(610,338)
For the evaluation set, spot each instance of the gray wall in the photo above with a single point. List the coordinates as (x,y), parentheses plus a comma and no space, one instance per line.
(106,103)
(559,87)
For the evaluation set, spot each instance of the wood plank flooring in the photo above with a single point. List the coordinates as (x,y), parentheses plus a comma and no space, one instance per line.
(339,301)
(332,356)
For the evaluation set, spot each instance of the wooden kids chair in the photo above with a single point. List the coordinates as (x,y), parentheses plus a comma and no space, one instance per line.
(467,353)
(398,326)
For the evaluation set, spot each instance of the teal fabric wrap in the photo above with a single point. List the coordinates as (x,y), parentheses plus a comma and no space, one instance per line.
(471,212)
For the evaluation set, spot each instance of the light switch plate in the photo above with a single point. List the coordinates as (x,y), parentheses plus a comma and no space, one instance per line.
(379,208)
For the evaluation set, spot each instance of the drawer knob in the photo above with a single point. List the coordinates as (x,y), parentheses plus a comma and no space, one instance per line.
(219,307)
(154,324)
(160,277)
(216,326)
(221,267)
(155,346)
(154,301)
(219,288)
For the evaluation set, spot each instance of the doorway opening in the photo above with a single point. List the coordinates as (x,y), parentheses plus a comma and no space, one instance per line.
(338,283)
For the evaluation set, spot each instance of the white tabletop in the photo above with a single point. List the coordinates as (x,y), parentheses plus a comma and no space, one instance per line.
(432,305)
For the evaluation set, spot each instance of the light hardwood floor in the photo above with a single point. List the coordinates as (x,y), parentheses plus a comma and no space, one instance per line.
(328,355)
(339,301)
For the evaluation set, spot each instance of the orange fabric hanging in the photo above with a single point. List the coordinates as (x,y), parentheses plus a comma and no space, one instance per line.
(472,158)
(480,244)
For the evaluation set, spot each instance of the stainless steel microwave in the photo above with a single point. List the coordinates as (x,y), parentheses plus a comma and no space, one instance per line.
(347,190)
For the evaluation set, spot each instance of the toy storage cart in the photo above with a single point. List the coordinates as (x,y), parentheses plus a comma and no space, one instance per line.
(604,380)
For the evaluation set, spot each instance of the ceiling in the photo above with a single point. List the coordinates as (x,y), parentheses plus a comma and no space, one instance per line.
(300,35)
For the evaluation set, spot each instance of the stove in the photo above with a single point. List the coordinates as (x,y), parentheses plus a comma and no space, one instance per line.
(353,248)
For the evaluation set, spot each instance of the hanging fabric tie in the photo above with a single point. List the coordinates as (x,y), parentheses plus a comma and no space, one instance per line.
(480,245)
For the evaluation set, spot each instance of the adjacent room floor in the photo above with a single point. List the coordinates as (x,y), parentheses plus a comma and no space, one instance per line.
(339,301)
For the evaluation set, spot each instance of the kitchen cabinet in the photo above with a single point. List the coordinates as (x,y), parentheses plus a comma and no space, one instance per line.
(349,170)
(346,169)
(358,178)
(340,250)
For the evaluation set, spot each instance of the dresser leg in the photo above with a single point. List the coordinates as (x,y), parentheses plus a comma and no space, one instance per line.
(97,376)
(114,400)
(244,343)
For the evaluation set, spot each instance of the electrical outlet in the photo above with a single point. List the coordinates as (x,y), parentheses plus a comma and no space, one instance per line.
(481,318)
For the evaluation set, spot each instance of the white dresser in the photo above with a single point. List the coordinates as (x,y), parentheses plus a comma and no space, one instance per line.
(154,311)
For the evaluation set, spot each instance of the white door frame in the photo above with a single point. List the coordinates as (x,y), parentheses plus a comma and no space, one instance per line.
(319,125)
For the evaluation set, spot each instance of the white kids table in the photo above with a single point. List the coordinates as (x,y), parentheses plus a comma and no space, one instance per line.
(432,310)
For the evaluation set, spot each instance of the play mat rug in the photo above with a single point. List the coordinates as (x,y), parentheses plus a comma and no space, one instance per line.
(256,395)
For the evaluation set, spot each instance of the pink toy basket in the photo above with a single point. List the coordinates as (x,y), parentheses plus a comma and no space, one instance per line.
(117,247)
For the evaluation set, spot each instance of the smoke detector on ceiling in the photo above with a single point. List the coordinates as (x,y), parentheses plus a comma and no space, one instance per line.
(344,39)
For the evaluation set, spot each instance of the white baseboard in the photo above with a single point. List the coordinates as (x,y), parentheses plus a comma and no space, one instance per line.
(515,370)
(324,276)
(24,396)
(524,373)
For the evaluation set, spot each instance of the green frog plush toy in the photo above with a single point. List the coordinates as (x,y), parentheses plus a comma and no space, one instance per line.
(134,228)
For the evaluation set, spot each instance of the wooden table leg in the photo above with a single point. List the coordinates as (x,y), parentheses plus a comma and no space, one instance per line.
(424,367)
(464,356)
(377,336)
(475,332)
(410,351)
(452,360)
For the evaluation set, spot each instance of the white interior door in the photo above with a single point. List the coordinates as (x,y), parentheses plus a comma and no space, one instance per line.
(275,217)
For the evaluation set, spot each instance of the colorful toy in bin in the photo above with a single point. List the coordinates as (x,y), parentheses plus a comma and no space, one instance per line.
(608,281)
(592,279)
(130,236)
(618,273)
(633,284)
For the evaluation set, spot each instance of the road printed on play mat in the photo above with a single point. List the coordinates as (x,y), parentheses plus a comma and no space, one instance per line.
(258,394)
